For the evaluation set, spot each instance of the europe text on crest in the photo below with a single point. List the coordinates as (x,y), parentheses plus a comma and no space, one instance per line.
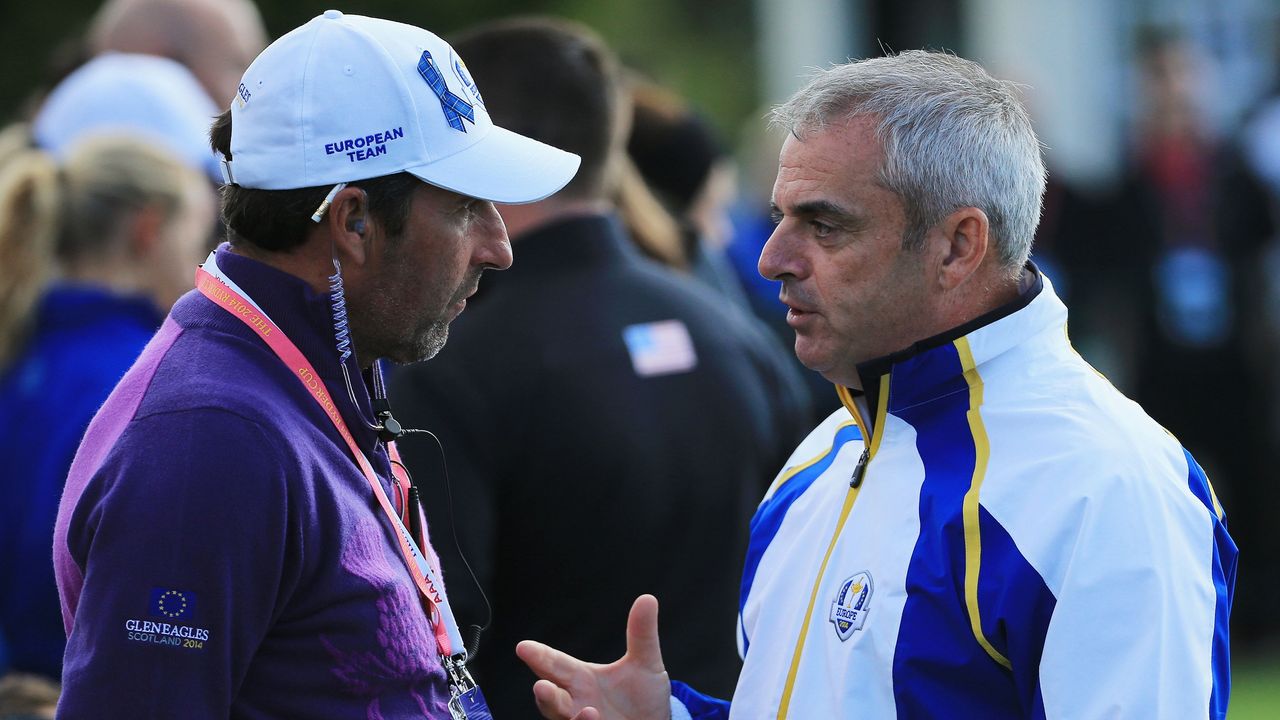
(852,603)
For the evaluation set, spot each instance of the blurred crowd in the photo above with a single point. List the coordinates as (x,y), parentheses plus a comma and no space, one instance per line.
(638,371)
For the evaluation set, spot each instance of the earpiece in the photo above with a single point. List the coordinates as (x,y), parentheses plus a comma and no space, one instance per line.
(358,227)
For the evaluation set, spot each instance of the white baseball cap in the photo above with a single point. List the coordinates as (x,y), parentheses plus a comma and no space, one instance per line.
(346,98)
(150,97)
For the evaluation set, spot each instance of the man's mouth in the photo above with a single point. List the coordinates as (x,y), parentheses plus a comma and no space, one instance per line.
(794,307)
(798,316)
(800,312)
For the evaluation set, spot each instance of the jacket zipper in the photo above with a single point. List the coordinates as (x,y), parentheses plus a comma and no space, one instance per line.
(860,470)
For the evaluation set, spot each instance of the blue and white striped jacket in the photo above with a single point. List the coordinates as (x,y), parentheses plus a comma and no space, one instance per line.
(1022,541)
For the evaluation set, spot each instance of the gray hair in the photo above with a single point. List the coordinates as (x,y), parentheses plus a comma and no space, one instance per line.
(953,137)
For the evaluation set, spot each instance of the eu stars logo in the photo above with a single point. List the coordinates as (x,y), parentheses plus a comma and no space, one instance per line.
(852,603)
(172,604)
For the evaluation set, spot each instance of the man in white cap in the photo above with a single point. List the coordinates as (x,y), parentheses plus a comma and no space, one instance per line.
(233,539)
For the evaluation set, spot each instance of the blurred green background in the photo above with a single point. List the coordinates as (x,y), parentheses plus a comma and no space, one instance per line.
(1256,691)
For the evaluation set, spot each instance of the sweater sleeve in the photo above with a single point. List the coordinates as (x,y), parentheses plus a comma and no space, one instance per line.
(180,537)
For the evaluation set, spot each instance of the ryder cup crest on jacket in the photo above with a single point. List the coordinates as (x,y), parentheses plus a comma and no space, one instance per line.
(853,602)
(346,98)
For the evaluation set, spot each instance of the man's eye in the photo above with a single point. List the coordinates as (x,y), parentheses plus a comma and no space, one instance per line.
(775,216)
(821,229)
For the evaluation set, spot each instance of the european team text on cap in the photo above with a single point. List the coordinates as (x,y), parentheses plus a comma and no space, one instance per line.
(365,146)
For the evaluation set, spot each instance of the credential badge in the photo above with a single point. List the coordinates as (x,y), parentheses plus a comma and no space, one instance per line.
(852,603)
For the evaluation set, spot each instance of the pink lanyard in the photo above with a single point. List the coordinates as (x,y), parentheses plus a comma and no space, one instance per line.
(424,575)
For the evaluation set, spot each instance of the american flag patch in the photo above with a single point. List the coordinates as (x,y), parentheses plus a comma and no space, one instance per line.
(660,348)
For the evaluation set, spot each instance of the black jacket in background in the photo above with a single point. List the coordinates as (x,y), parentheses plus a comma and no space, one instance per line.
(577,484)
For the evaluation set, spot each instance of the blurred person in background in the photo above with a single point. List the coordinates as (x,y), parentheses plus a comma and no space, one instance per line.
(683,161)
(1076,248)
(1192,225)
(1261,141)
(591,394)
(650,226)
(99,261)
(214,39)
(152,98)
(94,249)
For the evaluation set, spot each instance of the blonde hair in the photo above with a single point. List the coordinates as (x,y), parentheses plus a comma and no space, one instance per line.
(51,213)
(28,695)
(650,225)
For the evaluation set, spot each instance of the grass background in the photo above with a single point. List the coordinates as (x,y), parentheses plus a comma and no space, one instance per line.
(1255,691)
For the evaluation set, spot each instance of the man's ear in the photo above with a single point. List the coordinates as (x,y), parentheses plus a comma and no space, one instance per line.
(349,225)
(961,241)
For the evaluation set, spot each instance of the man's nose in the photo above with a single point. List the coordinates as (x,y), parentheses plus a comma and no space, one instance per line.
(778,257)
(495,247)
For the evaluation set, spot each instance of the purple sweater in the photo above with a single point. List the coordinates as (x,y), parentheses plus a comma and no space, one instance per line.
(219,553)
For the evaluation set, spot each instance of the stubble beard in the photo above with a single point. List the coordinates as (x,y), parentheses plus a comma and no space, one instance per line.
(423,343)
(384,337)
(429,343)
(429,338)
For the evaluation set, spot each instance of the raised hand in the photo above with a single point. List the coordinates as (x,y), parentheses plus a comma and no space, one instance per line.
(635,687)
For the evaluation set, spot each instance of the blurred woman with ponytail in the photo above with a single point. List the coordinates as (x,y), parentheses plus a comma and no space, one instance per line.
(94,249)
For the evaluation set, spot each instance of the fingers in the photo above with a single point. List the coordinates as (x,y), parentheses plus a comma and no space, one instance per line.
(553,702)
(556,704)
(642,634)
(551,664)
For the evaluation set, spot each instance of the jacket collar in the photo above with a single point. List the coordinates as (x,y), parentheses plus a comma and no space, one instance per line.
(306,318)
(930,369)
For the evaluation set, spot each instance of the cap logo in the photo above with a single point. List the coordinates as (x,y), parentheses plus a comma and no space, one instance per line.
(464,77)
(455,108)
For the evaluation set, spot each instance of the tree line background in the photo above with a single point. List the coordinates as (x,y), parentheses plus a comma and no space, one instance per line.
(703,49)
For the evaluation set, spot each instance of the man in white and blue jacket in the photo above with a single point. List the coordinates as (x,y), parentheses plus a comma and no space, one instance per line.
(987,528)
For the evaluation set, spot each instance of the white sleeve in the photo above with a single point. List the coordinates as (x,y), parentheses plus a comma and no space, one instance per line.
(678,710)
(1132,634)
